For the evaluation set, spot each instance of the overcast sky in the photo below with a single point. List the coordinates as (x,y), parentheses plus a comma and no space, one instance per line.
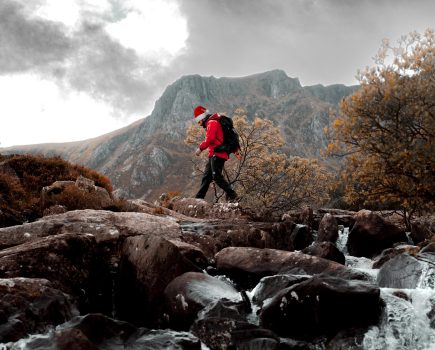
(76,69)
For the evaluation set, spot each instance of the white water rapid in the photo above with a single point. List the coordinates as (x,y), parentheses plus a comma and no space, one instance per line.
(405,324)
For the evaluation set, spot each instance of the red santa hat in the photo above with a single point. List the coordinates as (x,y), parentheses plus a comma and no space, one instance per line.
(200,113)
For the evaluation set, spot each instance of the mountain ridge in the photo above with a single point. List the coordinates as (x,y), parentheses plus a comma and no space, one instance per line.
(148,156)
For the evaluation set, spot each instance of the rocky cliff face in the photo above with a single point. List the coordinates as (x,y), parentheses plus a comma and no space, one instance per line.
(149,157)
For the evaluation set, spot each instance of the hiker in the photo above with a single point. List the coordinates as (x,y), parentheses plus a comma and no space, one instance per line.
(216,160)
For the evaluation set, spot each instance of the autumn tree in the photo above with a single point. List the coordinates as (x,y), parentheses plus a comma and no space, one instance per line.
(268,181)
(386,128)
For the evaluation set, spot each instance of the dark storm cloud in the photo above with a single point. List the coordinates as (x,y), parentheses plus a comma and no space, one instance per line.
(320,41)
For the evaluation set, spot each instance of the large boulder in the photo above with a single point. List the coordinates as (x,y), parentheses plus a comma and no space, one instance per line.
(405,271)
(390,253)
(325,250)
(322,306)
(148,264)
(328,229)
(371,234)
(269,286)
(187,294)
(69,261)
(300,237)
(100,197)
(247,266)
(31,306)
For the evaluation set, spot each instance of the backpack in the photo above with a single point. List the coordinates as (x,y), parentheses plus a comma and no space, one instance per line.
(231,138)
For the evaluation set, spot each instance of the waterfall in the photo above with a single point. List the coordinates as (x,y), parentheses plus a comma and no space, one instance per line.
(405,322)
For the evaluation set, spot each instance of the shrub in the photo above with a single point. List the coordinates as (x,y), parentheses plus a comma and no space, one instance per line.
(21,194)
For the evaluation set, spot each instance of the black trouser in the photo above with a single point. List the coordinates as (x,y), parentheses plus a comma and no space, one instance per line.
(213,171)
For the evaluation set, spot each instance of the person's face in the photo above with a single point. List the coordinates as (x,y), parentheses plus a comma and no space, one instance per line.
(200,122)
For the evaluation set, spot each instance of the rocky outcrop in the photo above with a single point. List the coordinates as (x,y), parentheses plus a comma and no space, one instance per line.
(103,225)
(371,234)
(149,156)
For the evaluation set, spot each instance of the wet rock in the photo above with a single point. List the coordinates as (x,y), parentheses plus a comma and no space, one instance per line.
(343,217)
(371,234)
(68,261)
(328,229)
(390,253)
(420,232)
(224,333)
(31,306)
(148,264)
(95,331)
(192,253)
(269,286)
(301,237)
(206,243)
(430,248)
(404,270)
(325,250)
(322,306)
(187,294)
(246,266)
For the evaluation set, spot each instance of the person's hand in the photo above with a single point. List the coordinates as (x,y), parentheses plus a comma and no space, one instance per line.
(238,156)
(198,152)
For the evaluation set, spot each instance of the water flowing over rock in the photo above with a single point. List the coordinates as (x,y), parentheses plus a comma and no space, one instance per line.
(371,234)
(122,271)
(269,286)
(189,293)
(406,271)
(96,331)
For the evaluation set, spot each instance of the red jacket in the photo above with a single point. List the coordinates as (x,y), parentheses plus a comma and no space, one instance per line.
(214,136)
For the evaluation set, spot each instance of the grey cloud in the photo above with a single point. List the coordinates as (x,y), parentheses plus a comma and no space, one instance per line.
(320,41)
(27,43)
(85,60)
